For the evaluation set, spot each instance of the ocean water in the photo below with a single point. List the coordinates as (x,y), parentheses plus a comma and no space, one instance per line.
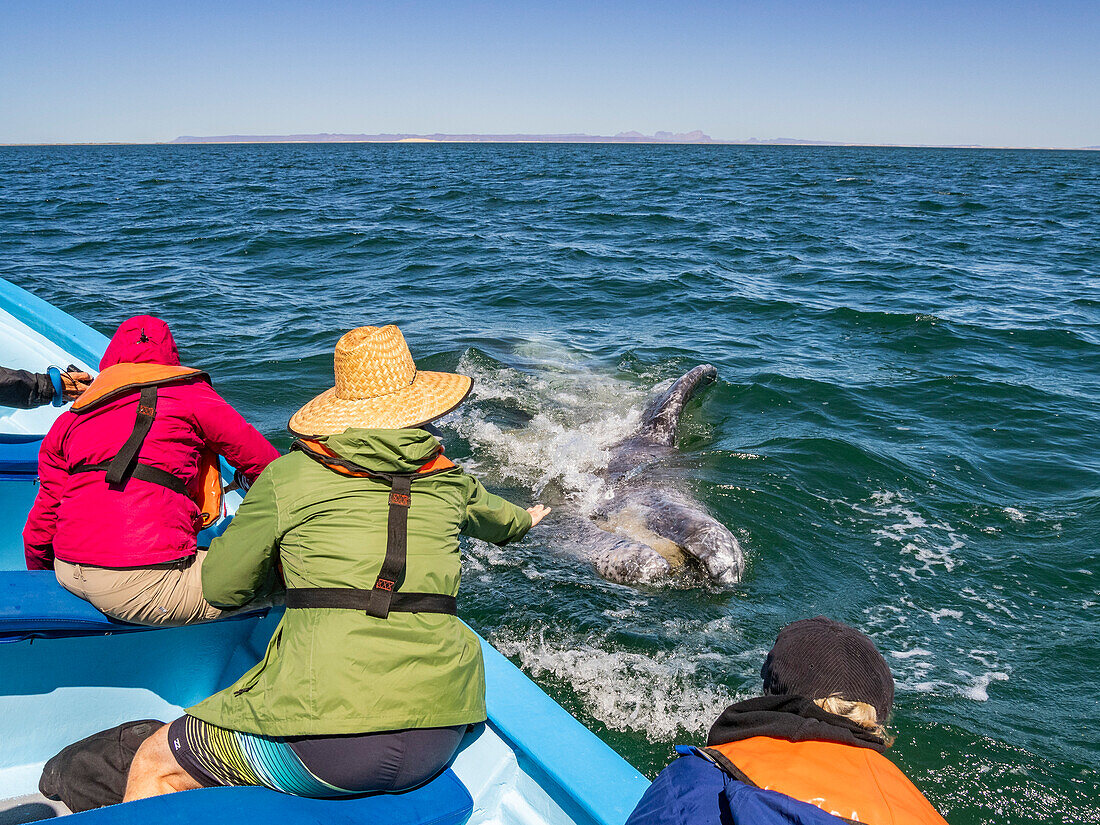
(904,435)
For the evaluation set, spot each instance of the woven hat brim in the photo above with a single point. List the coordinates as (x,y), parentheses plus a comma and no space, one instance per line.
(429,396)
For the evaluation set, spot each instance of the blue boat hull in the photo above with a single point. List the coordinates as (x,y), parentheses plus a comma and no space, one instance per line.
(66,672)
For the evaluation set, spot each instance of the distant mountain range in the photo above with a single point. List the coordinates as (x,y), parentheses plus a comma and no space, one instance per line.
(324,137)
(696,137)
(574,137)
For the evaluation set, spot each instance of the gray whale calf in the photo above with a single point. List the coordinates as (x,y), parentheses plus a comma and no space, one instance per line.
(649,522)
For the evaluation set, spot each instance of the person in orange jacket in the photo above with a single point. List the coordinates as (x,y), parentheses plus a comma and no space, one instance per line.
(809,751)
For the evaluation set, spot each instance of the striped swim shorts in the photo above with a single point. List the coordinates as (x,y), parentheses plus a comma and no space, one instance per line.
(316,766)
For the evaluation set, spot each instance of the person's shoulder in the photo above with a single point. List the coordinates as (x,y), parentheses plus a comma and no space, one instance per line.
(289,466)
(297,477)
(61,426)
(458,475)
(684,793)
(286,480)
(688,769)
(458,471)
(195,395)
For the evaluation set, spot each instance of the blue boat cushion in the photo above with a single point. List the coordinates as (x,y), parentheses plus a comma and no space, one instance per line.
(443,801)
(19,455)
(34,605)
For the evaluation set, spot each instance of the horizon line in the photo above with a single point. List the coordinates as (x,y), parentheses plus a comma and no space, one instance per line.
(695,138)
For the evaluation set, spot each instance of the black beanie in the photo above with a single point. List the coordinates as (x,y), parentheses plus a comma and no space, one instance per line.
(818,658)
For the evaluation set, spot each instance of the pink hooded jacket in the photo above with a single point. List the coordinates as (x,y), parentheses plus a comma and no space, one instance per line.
(79,519)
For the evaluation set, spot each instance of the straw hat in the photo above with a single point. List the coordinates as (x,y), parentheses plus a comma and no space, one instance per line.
(379,386)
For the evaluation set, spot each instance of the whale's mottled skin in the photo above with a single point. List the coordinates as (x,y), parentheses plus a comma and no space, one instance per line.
(649,523)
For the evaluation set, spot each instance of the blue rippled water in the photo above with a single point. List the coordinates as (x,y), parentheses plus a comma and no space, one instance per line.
(904,435)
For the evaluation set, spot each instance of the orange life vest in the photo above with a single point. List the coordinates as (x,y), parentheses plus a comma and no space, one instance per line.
(120,380)
(847,781)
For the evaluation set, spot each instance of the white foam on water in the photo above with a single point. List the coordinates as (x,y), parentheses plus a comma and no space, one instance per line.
(915,678)
(923,687)
(908,654)
(575,415)
(895,628)
(999,606)
(932,545)
(1014,514)
(979,690)
(481,555)
(986,658)
(660,694)
(944,613)
(888,503)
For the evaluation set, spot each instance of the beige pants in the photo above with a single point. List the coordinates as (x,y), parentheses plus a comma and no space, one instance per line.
(164,594)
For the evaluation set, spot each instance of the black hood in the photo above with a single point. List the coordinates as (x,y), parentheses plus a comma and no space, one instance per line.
(794,718)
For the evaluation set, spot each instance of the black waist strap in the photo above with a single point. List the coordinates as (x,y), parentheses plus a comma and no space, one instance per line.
(349,598)
(142,472)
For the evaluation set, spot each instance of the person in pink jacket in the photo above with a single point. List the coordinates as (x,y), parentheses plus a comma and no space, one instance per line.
(118,508)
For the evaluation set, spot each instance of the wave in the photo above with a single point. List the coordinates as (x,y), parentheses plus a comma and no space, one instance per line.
(657,694)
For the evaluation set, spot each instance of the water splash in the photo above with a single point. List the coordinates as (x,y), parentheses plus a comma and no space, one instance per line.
(569,420)
(659,694)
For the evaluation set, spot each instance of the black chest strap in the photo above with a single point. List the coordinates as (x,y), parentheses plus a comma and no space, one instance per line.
(120,467)
(724,764)
(397,547)
(384,598)
(125,465)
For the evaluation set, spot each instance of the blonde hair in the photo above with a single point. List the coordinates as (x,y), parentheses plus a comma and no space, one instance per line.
(861,713)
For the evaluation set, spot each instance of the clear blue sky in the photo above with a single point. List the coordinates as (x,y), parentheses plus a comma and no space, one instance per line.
(970,71)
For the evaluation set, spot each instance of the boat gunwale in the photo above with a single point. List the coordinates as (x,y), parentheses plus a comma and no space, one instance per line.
(549,743)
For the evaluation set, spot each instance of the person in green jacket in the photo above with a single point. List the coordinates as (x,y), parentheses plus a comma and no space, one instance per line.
(370,680)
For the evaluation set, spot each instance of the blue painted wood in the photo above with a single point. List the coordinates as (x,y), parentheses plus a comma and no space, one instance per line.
(49,321)
(19,455)
(443,801)
(34,606)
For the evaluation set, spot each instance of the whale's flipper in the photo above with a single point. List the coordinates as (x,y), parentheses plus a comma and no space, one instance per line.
(625,561)
(677,519)
(662,416)
(617,557)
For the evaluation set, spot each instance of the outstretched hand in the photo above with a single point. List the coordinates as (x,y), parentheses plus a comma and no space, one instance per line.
(538,513)
(73,384)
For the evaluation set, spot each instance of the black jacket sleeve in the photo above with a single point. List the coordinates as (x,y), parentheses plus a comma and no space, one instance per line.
(22,389)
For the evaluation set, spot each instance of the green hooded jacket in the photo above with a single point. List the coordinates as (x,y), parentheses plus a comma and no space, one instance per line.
(337,671)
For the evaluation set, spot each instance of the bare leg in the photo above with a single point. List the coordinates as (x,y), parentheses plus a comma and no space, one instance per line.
(155,770)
